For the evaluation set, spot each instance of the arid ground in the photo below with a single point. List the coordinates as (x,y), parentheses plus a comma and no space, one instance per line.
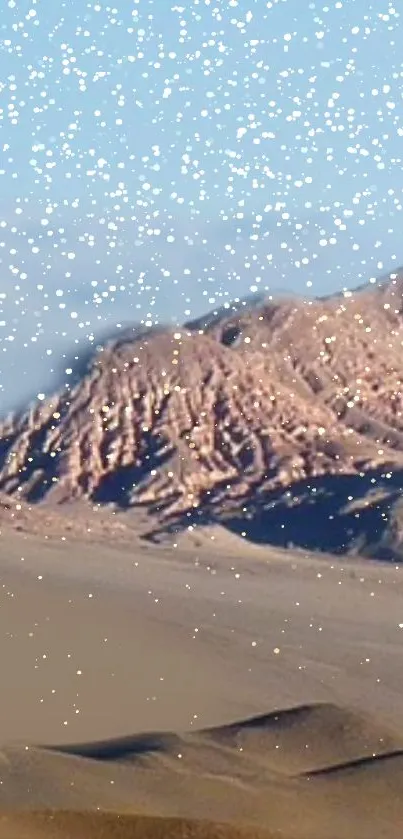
(223,682)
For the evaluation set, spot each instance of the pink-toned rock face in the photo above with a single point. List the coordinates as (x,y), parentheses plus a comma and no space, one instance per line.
(260,400)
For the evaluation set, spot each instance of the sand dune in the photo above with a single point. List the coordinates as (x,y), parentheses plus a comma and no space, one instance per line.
(256,774)
(264,692)
(307,736)
(306,739)
(63,825)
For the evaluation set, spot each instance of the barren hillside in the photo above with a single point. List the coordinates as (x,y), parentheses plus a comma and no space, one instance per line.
(265,401)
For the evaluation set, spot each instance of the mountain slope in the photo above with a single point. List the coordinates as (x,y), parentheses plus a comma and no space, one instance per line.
(211,419)
(345,350)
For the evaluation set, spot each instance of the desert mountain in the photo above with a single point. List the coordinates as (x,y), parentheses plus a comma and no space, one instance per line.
(283,419)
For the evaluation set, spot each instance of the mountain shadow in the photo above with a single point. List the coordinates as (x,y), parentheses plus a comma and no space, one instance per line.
(338,514)
(118,486)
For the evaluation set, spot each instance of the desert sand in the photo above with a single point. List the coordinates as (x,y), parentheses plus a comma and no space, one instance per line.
(256,688)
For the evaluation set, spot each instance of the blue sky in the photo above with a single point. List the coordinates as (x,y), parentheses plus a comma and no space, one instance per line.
(159,159)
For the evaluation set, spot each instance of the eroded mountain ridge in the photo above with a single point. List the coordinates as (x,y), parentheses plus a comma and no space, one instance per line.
(256,406)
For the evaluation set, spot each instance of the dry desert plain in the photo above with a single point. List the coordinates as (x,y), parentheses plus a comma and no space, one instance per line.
(144,687)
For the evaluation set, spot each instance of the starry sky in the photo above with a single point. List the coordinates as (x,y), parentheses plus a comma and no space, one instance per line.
(161,159)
